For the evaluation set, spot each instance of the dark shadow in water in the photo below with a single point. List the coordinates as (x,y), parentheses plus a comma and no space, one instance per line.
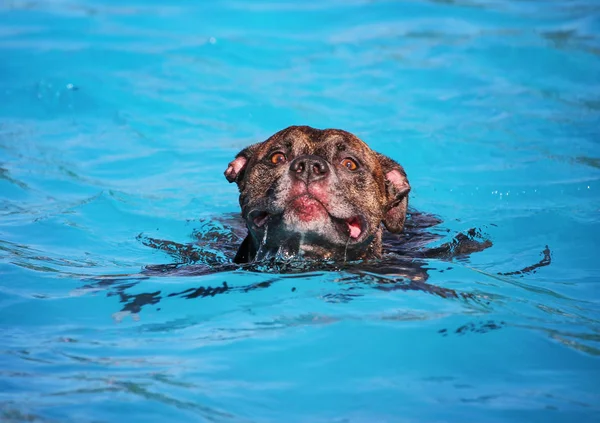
(546,261)
(474,327)
(402,268)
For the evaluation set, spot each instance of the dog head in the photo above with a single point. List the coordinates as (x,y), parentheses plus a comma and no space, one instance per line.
(319,194)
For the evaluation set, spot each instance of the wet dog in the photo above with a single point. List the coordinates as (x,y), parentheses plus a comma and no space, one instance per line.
(321,195)
(317,194)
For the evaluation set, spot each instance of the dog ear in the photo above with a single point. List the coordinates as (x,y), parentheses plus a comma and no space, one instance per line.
(397,189)
(235,169)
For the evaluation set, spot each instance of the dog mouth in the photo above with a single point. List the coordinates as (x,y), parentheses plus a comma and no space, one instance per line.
(353,227)
(259,218)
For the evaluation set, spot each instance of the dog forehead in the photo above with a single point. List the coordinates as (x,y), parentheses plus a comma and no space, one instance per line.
(308,140)
(341,141)
(336,142)
(289,139)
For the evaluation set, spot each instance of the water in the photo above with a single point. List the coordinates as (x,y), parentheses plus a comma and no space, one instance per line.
(117,120)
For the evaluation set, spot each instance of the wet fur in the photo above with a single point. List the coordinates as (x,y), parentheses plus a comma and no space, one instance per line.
(398,257)
(367,192)
(403,267)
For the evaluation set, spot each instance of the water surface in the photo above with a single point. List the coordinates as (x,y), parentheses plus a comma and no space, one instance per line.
(118,118)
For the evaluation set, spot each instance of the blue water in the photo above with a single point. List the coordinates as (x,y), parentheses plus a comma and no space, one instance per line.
(117,118)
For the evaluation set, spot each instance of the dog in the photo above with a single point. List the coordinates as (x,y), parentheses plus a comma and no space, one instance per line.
(320,196)
(317,194)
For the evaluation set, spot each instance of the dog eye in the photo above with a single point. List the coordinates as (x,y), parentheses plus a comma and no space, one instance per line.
(278,158)
(349,164)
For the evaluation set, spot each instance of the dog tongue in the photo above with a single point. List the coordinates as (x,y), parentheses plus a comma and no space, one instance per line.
(354,226)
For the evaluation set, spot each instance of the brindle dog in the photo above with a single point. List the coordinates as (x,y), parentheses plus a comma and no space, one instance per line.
(313,200)
(318,194)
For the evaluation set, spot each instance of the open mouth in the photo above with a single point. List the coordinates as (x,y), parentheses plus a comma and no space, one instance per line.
(353,227)
(259,218)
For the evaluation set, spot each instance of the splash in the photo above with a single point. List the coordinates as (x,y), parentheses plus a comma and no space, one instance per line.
(261,254)
(346,248)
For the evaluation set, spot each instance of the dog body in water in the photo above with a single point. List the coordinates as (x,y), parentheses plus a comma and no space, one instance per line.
(317,194)
(321,195)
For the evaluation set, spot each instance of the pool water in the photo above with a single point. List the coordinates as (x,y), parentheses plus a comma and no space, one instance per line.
(117,120)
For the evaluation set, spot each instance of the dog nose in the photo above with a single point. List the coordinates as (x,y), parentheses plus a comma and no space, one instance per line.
(309,168)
